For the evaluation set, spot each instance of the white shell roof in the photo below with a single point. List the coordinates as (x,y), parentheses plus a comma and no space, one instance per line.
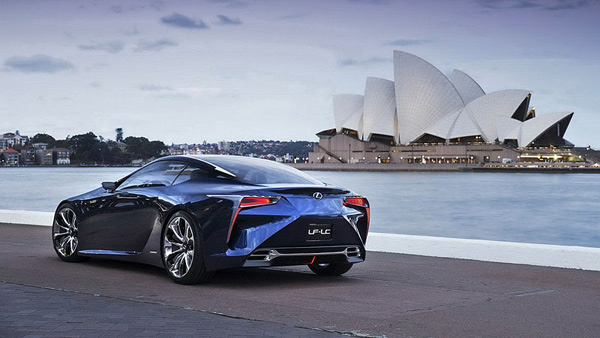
(379,114)
(468,89)
(484,109)
(347,111)
(454,125)
(507,128)
(532,128)
(423,95)
(442,127)
(464,126)
(422,100)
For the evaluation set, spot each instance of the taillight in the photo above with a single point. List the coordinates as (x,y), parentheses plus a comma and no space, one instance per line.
(256,201)
(359,202)
(249,202)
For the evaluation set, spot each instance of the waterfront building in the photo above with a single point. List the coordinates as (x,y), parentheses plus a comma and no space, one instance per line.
(61,156)
(44,156)
(40,145)
(423,116)
(223,146)
(28,155)
(9,157)
(10,140)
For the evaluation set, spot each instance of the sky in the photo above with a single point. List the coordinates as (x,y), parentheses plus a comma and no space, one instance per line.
(194,71)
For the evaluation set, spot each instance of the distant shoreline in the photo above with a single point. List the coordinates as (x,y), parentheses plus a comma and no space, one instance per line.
(74,166)
(385,167)
(378,167)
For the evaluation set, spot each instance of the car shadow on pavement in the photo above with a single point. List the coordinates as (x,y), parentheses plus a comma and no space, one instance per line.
(275,277)
(231,278)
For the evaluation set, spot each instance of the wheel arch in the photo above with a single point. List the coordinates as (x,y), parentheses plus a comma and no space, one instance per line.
(63,203)
(173,211)
(168,215)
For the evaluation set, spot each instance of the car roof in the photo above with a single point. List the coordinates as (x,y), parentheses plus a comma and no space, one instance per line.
(202,161)
(223,163)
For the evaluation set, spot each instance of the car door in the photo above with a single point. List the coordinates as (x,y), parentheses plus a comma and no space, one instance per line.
(123,219)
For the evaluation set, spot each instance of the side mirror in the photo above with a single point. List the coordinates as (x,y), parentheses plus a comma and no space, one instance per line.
(109,186)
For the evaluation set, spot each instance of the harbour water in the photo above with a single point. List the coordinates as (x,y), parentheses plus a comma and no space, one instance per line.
(559,209)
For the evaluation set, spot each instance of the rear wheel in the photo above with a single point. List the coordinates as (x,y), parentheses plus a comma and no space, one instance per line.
(182,250)
(65,234)
(330,269)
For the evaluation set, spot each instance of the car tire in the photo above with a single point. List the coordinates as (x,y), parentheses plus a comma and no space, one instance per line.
(182,251)
(65,234)
(330,269)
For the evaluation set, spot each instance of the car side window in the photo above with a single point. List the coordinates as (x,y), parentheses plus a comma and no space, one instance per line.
(190,173)
(158,174)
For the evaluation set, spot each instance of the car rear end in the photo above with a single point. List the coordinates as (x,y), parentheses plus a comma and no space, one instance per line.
(301,225)
(285,217)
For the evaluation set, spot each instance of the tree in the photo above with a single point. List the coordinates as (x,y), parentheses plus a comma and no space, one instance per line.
(87,148)
(142,148)
(43,138)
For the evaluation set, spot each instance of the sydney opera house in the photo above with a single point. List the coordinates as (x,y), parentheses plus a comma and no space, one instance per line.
(425,116)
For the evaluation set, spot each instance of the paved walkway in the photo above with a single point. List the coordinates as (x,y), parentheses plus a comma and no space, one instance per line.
(27,311)
(390,294)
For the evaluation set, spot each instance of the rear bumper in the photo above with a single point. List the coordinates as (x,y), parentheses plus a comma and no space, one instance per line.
(255,236)
(305,255)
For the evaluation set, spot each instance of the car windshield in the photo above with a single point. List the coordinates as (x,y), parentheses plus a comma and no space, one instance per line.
(258,171)
(154,175)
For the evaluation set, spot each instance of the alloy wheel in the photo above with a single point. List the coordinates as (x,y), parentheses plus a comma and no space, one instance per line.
(65,232)
(178,247)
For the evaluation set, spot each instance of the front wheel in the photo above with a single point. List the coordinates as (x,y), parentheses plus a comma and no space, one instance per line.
(65,235)
(330,269)
(182,250)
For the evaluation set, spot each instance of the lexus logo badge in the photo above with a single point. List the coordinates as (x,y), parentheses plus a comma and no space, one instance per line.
(318,195)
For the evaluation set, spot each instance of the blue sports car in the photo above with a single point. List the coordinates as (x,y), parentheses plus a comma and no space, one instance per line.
(194,215)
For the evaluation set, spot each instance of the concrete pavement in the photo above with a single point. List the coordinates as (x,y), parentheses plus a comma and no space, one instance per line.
(33,311)
(389,295)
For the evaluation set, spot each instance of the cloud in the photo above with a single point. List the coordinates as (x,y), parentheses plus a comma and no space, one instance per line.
(225,20)
(373,60)
(38,63)
(528,4)
(116,9)
(231,3)
(182,21)
(408,42)
(506,4)
(130,6)
(153,88)
(155,45)
(109,47)
(566,4)
(157,4)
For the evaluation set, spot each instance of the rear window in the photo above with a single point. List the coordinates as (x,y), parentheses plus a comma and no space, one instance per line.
(258,171)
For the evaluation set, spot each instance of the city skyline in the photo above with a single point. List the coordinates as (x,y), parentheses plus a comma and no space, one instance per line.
(238,70)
